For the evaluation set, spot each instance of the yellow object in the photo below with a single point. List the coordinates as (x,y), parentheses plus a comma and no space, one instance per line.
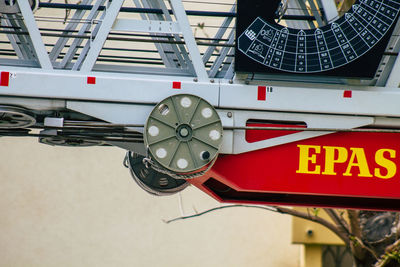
(313,256)
(311,233)
(313,236)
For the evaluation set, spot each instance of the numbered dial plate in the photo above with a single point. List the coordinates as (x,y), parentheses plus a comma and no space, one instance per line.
(321,49)
(183,133)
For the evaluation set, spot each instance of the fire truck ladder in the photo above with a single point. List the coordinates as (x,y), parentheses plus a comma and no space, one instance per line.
(158,79)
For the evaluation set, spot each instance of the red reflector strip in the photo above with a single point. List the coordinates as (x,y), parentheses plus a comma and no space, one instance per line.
(91,80)
(347,94)
(4,78)
(262,93)
(176,85)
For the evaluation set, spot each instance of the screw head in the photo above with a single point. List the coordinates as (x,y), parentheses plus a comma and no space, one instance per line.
(205,155)
(184,132)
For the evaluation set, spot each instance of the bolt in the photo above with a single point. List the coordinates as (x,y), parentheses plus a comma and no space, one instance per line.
(229,114)
(310,232)
(205,155)
(230,81)
(212,81)
(184,132)
(195,80)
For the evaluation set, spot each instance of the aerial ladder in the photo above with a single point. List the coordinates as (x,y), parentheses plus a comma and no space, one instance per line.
(292,102)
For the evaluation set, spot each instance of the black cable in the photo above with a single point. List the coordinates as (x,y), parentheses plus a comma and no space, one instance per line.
(159,11)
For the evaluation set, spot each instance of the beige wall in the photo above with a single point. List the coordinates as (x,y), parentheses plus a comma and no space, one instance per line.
(79,207)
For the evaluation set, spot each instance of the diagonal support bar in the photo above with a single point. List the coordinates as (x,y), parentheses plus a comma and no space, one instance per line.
(220,33)
(221,58)
(34,34)
(13,40)
(181,17)
(161,48)
(97,44)
(179,49)
(62,41)
(94,12)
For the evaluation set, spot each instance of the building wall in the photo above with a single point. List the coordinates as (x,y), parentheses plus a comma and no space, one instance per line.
(65,206)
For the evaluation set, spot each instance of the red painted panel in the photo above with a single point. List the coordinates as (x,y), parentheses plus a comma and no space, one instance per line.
(4,78)
(362,165)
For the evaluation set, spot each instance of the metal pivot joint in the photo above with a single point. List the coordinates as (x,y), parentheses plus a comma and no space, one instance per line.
(13,118)
(183,133)
(152,181)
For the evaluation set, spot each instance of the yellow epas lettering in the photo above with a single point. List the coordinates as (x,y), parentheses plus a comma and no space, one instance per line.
(389,165)
(358,159)
(330,158)
(306,159)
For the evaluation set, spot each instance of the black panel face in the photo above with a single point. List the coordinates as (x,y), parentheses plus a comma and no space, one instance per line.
(351,46)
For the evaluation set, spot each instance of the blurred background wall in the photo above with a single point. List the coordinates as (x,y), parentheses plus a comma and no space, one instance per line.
(65,206)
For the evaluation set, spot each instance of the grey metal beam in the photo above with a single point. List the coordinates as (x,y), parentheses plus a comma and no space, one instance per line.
(61,42)
(160,47)
(230,73)
(220,33)
(300,5)
(34,34)
(179,49)
(194,52)
(77,42)
(141,70)
(96,46)
(221,58)
(13,40)
(316,14)
(387,62)
(22,41)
